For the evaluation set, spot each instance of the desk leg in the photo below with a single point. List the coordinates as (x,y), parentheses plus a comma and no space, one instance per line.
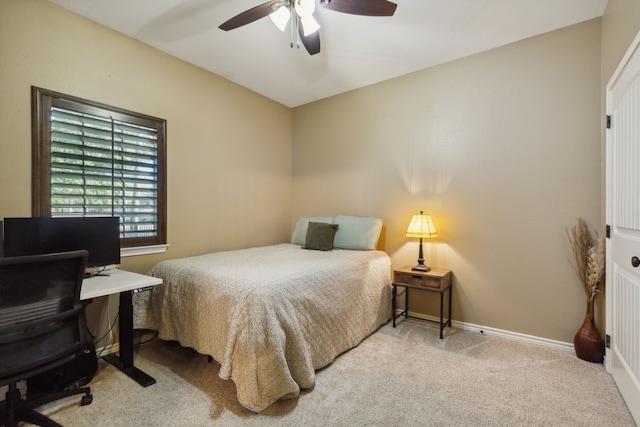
(124,362)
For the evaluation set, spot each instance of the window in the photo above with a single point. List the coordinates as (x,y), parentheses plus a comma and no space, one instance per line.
(91,159)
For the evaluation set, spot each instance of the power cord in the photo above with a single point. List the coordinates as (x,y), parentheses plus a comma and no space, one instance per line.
(109,333)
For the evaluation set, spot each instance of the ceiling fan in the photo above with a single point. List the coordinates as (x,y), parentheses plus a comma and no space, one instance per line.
(303,26)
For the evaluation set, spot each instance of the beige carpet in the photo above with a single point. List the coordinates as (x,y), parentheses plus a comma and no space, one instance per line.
(397,377)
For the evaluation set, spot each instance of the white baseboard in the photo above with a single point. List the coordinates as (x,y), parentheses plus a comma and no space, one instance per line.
(499,332)
(114,348)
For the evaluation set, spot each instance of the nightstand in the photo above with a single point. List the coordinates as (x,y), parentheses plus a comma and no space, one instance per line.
(434,280)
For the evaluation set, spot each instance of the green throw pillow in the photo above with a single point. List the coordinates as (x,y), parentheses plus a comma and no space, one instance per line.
(320,236)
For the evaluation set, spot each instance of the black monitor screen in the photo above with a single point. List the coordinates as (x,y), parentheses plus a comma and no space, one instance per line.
(100,236)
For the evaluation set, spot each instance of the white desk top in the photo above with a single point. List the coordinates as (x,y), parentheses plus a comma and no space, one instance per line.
(117,281)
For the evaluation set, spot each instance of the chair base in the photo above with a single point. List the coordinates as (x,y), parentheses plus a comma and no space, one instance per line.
(16,409)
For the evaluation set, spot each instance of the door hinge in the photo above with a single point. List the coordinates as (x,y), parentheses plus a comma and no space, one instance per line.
(607,341)
(608,121)
(608,231)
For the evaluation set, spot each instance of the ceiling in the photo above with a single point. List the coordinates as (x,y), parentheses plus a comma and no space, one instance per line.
(356,51)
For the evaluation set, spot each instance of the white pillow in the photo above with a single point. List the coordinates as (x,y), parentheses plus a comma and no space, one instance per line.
(300,232)
(354,232)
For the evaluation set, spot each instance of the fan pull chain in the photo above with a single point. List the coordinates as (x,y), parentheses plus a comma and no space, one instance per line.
(291,29)
(295,24)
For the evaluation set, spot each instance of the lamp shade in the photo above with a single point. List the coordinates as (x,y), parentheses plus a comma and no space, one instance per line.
(281,17)
(309,25)
(304,7)
(421,227)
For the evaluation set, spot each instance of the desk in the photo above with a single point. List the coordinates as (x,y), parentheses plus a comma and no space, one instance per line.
(124,283)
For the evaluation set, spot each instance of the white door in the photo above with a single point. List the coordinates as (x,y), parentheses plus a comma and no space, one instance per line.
(623,216)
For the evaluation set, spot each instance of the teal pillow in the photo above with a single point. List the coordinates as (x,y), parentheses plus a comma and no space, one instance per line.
(320,236)
(358,233)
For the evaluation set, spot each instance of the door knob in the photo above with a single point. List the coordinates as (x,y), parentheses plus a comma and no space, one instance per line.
(635,261)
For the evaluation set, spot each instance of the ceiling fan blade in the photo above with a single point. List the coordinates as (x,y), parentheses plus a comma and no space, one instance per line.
(310,42)
(361,7)
(249,16)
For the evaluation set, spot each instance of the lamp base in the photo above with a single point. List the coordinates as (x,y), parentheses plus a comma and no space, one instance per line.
(421,267)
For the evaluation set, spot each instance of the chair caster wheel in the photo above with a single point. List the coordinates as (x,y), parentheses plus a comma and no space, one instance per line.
(86,399)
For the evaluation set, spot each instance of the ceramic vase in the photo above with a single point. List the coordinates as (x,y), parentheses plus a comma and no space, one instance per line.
(588,342)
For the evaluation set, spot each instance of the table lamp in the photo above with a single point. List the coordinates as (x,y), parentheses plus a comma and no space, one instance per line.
(421,227)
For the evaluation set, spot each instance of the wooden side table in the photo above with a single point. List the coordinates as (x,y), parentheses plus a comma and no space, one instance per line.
(434,280)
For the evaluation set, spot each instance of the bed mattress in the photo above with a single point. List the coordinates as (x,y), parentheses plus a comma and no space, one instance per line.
(269,315)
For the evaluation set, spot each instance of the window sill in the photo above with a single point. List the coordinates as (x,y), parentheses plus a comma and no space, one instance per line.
(143,250)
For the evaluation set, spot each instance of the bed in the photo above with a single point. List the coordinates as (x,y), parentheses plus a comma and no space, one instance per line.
(272,315)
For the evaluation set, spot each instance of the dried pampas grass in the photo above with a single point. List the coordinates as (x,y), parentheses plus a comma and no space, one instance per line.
(588,257)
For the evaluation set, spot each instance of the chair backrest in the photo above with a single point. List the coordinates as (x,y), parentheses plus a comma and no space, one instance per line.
(42,321)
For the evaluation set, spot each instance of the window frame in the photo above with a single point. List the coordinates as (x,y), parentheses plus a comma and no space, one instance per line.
(41,102)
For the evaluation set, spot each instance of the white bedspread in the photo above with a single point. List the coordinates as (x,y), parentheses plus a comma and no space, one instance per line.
(270,315)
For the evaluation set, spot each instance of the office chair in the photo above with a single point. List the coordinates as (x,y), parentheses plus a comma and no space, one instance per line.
(42,326)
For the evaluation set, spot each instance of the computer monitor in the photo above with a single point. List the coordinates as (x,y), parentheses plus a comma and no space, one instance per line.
(100,236)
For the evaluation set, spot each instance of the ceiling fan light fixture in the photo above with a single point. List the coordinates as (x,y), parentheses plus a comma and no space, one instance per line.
(309,25)
(281,17)
(298,15)
(305,8)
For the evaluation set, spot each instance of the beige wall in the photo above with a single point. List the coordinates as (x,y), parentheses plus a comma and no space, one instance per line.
(229,149)
(501,148)
(620,24)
